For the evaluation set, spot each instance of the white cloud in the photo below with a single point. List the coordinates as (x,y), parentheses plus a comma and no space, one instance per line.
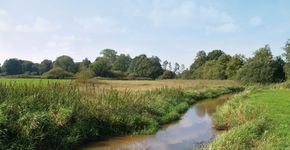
(98,24)
(199,14)
(255,21)
(3,20)
(39,24)
(3,13)
(224,28)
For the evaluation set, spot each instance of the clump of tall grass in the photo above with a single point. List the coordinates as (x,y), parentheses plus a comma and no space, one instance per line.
(246,124)
(60,116)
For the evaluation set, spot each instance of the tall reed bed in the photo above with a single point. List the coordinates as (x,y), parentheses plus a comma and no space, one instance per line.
(60,116)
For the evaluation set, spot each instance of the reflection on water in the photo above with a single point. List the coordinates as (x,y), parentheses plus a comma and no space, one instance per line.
(193,128)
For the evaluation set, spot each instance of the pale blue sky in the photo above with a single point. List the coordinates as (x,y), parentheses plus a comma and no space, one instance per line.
(171,29)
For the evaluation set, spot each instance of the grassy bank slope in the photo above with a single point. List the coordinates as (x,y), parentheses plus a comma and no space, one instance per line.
(256,119)
(60,116)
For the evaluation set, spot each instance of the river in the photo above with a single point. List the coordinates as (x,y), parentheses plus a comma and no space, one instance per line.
(192,131)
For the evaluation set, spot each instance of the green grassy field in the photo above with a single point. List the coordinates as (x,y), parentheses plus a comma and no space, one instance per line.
(38,115)
(257,119)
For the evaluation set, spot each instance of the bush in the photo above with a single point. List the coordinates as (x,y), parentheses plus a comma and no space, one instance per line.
(57,73)
(85,74)
(259,69)
(167,75)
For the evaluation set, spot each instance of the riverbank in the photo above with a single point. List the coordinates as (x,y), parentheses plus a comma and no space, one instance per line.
(61,116)
(258,118)
(192,130)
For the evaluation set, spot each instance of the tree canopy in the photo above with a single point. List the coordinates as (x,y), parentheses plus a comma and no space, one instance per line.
(142,66)
(66,63)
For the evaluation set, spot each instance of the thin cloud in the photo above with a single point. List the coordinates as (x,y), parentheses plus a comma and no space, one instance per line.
(3,21)
(255,21)
(97,24)
(39,24)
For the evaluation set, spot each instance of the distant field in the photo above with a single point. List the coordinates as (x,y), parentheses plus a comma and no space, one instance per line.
(136,85)
(34,81)
(155,84)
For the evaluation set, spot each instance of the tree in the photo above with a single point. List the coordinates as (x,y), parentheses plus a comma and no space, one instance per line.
(215,54)
(168,75)
(235,63)
(122,63)
(109,54)
(286,48)
(141,66)
(45,66)
(182,68)
(259,69)
(200,59)
(176,67)
(169,66)
(213,70)
(86,63)
(279,74)
(164,65)
(101,67)
(12,67)
(29,67)
(85,73)
(66,63)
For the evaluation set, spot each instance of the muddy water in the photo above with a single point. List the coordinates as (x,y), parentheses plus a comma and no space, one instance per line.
(190,132)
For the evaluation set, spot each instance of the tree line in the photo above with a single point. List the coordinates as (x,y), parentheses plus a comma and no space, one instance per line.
(109,64)
(263,67)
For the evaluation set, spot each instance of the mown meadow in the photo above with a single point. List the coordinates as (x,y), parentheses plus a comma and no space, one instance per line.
(258,118)
(52,114)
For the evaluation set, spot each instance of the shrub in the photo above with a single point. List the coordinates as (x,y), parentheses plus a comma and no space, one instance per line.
(167,75)
(57,73)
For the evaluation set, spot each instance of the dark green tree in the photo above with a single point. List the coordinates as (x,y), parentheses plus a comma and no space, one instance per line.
(45,66)
(200,59)
(142,66)
(101,67)
(29,67)
(122,63)
(109,54)
(66,63)
(279,74)
(215,54)
(235,63)
(12,67)
(260,68)
(168,75)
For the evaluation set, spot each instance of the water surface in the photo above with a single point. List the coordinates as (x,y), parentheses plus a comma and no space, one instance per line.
(191,131)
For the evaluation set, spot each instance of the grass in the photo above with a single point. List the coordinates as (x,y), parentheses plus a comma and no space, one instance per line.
(34,81)
(36,114)
(257,119)
(143,85)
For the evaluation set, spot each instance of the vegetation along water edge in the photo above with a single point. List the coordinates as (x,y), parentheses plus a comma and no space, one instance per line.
(61,116)
(258,118)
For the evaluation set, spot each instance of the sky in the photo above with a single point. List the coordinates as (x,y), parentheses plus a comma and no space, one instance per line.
(173,30)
